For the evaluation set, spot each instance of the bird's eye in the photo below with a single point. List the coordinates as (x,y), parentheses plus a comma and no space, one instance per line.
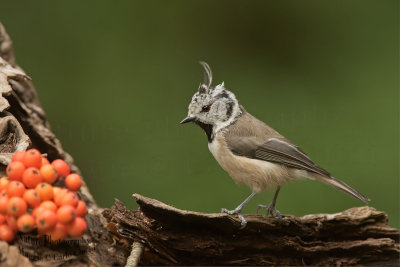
(205,108)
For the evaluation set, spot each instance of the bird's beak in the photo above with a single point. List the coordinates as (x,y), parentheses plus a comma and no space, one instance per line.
(187,119)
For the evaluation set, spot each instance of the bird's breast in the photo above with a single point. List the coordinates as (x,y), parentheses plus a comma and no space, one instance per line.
(257,174)
(214,147)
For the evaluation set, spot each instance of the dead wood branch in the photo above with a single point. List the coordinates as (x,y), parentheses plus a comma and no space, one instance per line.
(358,236)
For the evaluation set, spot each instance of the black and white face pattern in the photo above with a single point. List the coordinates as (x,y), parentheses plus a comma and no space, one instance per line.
(213,107)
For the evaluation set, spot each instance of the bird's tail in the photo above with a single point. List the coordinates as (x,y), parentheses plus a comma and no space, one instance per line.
(332,181)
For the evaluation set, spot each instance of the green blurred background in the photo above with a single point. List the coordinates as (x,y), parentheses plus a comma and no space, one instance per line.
(116,77)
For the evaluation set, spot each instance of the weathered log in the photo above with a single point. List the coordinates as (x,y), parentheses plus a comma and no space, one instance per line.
(357,236)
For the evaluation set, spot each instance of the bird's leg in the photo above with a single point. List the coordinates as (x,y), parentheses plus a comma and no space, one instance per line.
(270,209)
(238,209)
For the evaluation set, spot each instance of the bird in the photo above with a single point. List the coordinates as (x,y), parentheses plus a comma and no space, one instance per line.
(250,151)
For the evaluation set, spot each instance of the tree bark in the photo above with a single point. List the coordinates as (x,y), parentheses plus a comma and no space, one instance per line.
(159,234)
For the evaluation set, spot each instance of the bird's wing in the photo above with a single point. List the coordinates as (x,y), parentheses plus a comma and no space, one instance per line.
(254,139)
(279,151)
(274,150)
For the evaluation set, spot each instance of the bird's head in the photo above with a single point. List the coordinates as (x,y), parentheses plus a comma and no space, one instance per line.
(211,107)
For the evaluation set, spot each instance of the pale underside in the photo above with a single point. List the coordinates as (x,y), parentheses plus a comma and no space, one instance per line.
(259,175)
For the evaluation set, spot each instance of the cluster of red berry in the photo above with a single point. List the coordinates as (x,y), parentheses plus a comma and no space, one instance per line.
(29,201)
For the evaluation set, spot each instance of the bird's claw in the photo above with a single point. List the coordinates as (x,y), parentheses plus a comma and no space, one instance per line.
(270,210)
(243,221)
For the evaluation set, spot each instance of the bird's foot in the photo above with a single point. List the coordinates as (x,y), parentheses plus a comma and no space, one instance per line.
(271,211)
(236,211)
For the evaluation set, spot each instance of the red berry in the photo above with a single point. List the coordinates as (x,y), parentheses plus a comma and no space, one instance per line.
(76,227)
(18,156)
(70,199)
(3,204)
(6,233)
(25,223)
(32,198)
(81,210)
(33,158)
(45,161)
(59,195)
(15,170)
(46,219)
(16,206)
(49,173)
(37,210)
(73,182)
(4,181)
(31,177)
(66,213)
(45,191)
(2,219)
(50,205)
(15,189)
(12,222)
(59,232)
(61,167)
